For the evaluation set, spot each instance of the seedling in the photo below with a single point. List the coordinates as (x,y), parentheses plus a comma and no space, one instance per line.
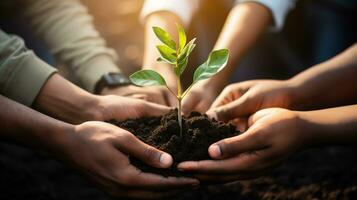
(177,56)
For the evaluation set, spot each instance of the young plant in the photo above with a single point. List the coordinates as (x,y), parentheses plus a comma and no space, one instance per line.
(177,56)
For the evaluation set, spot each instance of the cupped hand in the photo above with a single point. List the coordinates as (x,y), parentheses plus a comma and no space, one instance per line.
(200,97)
(154,94)
(100,151)
(238,101)
(274,135)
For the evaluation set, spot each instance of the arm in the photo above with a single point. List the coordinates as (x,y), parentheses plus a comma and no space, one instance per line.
(28,80)
(245,24)
(331,83)
(107,165)
(164,14)
(67,29)
(274,135)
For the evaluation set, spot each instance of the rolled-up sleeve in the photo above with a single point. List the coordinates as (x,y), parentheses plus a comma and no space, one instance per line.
(184,9)
(67,30)
(22,73)
(278,8)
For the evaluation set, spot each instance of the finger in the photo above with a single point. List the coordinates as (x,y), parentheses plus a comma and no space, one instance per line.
(249,141)
(153,109)
(229,94)
(244,163)
(261,114)
(225,97)
(148,181)
(131,145)
(202,107)
(189,104)
(235,109)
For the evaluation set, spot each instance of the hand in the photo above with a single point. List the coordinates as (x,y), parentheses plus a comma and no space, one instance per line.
(274,134)
(99,151)
(238,101)
(121,108)
(155,94)
(200,97)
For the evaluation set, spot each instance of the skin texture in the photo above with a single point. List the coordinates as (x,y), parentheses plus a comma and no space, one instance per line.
(328,84)
(245,24)
(273,135)
(63,100)
(96,149)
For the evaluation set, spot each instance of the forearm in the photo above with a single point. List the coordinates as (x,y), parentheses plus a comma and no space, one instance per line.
(330,126)
(61,99)
(167,21)
(22,125)
(245,24)
(68,32)
(332,83)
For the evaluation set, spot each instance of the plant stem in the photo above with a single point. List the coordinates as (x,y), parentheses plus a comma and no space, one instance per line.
(179,98)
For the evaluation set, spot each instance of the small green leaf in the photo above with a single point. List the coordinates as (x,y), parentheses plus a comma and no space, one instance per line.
(187,49)
(215,62)
(161,59)
(183,57)
(182,37)
(164,37)
(167,53)
(147,77)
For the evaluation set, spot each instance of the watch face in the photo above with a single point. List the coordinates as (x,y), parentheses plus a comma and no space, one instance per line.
(114,79)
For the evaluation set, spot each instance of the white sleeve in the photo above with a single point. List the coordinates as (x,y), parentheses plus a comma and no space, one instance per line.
(184,9)
(278,8)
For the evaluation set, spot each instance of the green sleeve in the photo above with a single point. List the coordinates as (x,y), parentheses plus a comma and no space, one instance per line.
(22,73)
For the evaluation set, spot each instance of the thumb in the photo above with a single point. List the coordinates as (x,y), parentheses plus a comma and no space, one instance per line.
(233,146)
(235,109)
(131,145)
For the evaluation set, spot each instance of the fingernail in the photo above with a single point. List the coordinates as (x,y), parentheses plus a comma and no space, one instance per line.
(214,151)
(165,159)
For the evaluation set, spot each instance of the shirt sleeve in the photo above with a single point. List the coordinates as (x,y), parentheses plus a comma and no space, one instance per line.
(184,9)
(22,73)
(278,8)
(68,32)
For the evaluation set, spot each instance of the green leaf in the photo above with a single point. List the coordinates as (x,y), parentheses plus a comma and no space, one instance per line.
(161,59)
(167,53)
(183,57)
(147,77)
(164,37)
(182,37)
(215,63)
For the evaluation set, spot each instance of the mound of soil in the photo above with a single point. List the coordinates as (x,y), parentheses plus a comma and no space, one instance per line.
(198,133)
(324,173)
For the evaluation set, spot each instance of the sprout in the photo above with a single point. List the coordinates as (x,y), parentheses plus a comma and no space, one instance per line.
(177,56)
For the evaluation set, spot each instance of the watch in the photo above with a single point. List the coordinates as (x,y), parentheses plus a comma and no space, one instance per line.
(111,80)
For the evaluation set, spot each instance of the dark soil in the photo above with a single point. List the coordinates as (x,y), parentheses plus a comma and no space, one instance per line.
(326,173)
(198,133)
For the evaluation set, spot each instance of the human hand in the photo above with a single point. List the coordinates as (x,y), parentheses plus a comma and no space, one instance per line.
(274,134)
(238,101)
(154,94)
(200,97)
(121,108)
(99,151)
